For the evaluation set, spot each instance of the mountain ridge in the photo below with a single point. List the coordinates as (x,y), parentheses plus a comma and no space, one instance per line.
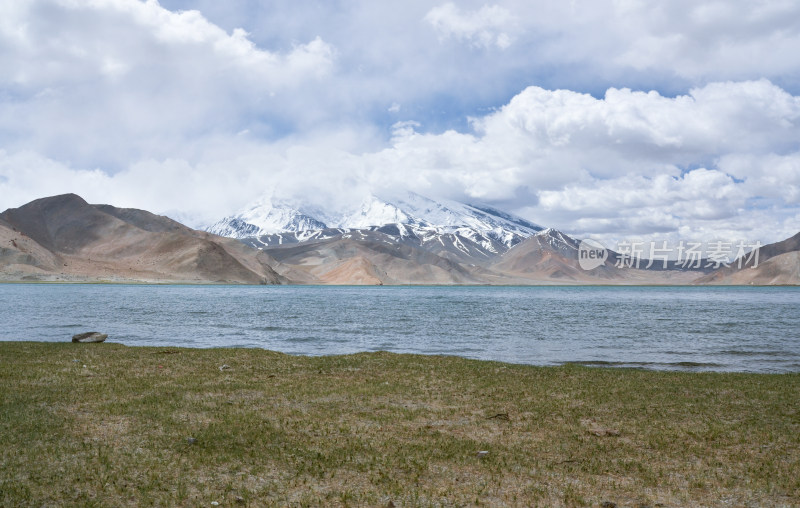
(63,238)
(777,263)
(422,214)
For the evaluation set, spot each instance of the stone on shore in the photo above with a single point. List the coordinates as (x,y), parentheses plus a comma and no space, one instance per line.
(89,337)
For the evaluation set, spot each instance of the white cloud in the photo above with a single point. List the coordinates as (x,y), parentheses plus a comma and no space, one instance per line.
(109,81)
(485,27)
(609,167)
(647,128)
(299,102)
(735,39)
(771,176)
(554,138)
(617,162)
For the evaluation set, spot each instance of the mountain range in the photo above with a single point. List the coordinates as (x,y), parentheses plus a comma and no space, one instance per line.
(283,222)
(406,240)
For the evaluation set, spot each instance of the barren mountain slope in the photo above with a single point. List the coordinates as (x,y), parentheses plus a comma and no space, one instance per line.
(552,257)
(69,239)
(778,263)
(331,260)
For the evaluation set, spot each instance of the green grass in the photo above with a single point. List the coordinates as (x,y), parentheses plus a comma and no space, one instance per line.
(107,425)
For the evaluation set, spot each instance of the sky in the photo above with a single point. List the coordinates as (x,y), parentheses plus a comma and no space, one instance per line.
(610,119)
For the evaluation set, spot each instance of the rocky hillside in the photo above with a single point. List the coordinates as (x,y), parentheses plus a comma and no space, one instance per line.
(777,264)
(65,238)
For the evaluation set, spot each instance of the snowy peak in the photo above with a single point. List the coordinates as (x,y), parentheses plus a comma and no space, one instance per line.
(511,220)
(541,246)
(264,218)
(428,218)
(449,216)
(233,227)
(554,240)
(410,213)
(376,212)
(557,239)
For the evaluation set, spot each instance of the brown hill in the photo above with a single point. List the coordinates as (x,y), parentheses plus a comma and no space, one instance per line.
(372,257)
(65,238)
(778,264)
(552,257)
(549,256)
(358,271)
(363,258)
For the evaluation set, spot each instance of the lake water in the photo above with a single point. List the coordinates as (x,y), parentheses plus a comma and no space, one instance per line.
(684,328)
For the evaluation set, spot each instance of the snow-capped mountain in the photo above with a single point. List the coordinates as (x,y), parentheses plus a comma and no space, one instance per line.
(413,214)
(555,240)
(442,216)
(464,244)
(264,218)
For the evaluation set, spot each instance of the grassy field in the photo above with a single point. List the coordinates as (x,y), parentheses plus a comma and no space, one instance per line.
(108,425)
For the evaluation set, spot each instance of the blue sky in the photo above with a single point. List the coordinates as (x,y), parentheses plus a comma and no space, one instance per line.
(605,118)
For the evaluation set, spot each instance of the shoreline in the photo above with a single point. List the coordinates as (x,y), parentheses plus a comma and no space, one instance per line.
(685,367)
(512,285)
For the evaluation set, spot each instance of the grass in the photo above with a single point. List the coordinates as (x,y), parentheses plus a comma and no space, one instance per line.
(108,425)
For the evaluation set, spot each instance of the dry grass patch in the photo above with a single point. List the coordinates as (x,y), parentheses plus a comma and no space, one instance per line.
(143,426)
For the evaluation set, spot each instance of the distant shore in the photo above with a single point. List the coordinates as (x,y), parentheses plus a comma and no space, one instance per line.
(532,284)
(115,425)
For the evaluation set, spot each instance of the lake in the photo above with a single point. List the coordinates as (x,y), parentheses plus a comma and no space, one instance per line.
(754,329)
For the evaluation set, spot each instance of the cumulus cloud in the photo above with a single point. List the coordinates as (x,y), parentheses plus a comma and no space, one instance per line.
(585,45)
(105,82)
(701,39)
(630,162)
(644,132)
(198,112)
(557,137)
(772,176)
(485,27)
